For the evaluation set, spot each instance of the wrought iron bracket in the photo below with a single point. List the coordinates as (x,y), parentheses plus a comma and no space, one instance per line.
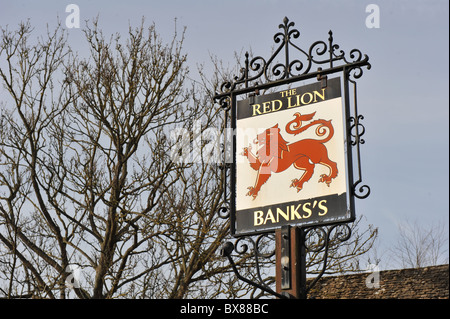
(288,64)
(312,239)
(226,251)
(342,232)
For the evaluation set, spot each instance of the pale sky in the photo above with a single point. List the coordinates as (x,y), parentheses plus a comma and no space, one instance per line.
(404,97)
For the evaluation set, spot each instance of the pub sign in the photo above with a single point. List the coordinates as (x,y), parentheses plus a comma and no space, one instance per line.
(291,159)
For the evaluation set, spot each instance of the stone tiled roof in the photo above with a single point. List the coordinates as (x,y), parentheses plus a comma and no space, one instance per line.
(417,283)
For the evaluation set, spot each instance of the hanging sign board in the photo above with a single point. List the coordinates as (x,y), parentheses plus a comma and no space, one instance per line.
(291,159)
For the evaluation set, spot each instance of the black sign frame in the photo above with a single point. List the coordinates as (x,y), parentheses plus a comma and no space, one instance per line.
(322,204)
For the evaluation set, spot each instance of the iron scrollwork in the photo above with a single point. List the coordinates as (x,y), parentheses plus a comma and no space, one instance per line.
(319,239)
(258,72)
(242,248)
(357,130)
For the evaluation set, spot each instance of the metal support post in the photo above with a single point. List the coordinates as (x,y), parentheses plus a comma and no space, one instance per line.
(291,262)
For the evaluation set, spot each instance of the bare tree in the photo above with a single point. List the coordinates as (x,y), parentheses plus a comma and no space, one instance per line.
(87,178)
(420,245)
(36,102)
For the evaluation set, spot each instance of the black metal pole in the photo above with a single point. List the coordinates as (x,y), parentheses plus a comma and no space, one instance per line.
(291,262)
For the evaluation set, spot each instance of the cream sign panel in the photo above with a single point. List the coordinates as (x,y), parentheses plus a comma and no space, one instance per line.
(291,158)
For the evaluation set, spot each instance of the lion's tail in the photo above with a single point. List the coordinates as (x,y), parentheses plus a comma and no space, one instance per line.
(320,131)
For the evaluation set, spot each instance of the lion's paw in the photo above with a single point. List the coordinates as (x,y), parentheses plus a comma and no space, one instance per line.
(252,192)
(325,179)
(296,183)
(245,150)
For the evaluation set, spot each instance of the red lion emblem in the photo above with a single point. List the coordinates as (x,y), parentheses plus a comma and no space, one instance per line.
(276,155)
